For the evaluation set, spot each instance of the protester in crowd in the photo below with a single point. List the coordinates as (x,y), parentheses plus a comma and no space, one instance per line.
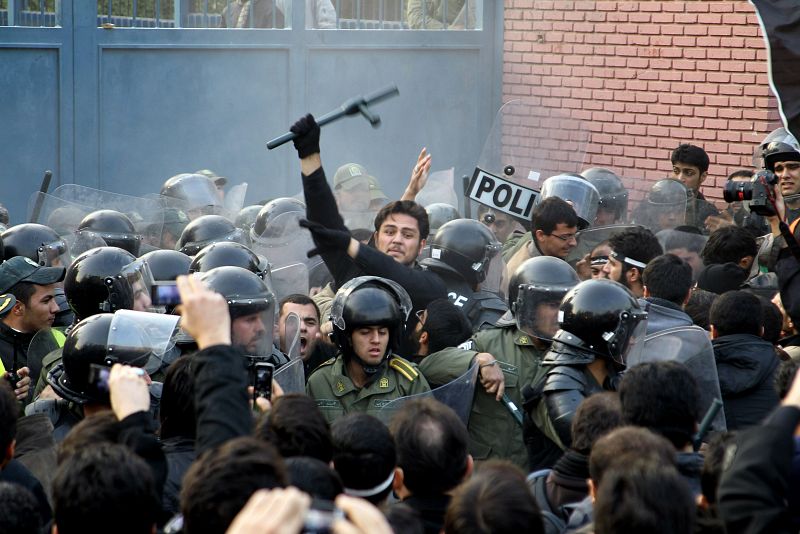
(631,251)
(667,288)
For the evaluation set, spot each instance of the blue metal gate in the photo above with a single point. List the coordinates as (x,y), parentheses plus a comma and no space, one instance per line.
(123,109)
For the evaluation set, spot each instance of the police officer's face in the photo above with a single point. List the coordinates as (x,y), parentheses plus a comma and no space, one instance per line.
(399,237)
(40,311)
(788,172)
(689,175)
(547,318)
(500,224)
(605,217)
(141,299)
(247,332)
(309,327)
(370,342)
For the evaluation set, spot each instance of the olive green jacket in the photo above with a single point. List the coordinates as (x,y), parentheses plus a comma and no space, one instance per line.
(493,431)
(336,395)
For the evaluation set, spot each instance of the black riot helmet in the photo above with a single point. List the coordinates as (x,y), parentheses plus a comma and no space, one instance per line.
(226,254)
(247,217)
(667,192)
(547,276)
(166,265)
(37,242)
(600,318)
(95,282)
(194,193)
(113,227)
(613,195)
(271,211)
(463,247)
(440,213)
(246,294)
(778,151)
(206,230)
(369,301)
(127,337)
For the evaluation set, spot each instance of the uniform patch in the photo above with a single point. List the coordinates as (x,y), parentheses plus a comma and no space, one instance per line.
(383,383)
(339,386)
(380,403)
(328,403)
(524,340)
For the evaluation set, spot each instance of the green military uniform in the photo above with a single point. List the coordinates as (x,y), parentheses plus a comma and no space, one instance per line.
(493,431)
(514,242)
(336,395)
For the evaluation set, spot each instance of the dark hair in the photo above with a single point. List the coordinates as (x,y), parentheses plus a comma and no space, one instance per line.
(713,464)
(446,325)
(364,453)
(314,477)
(699,305)
(296,427)
(597,415)
(784,377)
(23,291)
(729,244)
(663,397)
(406,207)
(9,412)
(551,212)
(219,483)
(628,442)
(176,411)
(643,496)
(741,173)
(637,244)
(19,510)
(431,445)
(300,299)
(668,277)
(773,320)
(102,427)
(691,155)
(104,487)
(737,312)
(692,241)
(404,519)
(495,500)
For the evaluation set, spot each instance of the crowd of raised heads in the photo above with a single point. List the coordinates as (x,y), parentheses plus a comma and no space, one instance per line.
(346,362)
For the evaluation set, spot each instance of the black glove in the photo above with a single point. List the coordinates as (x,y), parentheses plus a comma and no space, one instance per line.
(327,240)
(306,131)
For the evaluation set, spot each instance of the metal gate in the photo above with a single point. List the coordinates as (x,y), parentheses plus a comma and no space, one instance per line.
(124,108)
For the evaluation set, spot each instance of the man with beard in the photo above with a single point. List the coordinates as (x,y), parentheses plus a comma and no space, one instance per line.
(631,251)
(508,357)
(313,350)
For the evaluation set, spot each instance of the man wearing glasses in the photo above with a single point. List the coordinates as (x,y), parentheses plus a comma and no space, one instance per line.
(555,225)
(631,251)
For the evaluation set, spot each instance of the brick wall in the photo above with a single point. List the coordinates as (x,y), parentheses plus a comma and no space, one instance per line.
(644,77)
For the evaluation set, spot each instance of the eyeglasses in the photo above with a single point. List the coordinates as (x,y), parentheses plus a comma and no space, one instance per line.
(566,237)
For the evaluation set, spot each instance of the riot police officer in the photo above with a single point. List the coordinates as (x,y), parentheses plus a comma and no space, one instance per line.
(460,254)
(369,315)
(600,322)
(613,205)
(440,213)
(514,348)
(113,227)
(193,194)
(208,229)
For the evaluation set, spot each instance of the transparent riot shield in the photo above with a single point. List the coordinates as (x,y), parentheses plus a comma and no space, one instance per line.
(663,207)
(146,214)
(353,193)
(149,336)
(591,237)
(686,245)
(43,343)
(290,279)
(59,214)
(527,144)
(690,346)
(291,377)
(284,241)
(439,188)
(234,200)
(457,394)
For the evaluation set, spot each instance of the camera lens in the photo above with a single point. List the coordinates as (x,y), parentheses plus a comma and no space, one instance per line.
(737,191)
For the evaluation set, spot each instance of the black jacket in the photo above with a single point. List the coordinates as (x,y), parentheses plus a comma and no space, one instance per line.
(663,314)
(16,473)
(746,366)
(180,454)
(14,348)
(422,286)
(753,488)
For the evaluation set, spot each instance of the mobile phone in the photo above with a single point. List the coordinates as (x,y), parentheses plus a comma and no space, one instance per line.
(262,380)
(320,517)
(98,377)
(165,294)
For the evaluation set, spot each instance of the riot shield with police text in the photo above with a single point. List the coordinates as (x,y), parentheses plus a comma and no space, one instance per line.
(690,346)
(457,394)
(289,279)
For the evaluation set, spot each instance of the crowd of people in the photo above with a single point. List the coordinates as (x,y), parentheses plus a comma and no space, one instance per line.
(347,363)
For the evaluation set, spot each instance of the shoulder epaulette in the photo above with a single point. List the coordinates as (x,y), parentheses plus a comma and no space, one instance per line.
(404,367)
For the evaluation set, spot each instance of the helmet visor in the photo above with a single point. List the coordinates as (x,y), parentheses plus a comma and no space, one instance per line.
(536,310)
(252,323)
(627,342)
(141,339)
(337,308)
(579,193)
(55,254)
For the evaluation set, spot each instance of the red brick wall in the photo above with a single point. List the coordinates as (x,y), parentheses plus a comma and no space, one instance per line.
(644,77)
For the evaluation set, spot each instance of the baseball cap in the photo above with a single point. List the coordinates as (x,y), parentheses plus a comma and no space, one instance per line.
(22,269)
(7,301)
(218,180)
(351,175)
